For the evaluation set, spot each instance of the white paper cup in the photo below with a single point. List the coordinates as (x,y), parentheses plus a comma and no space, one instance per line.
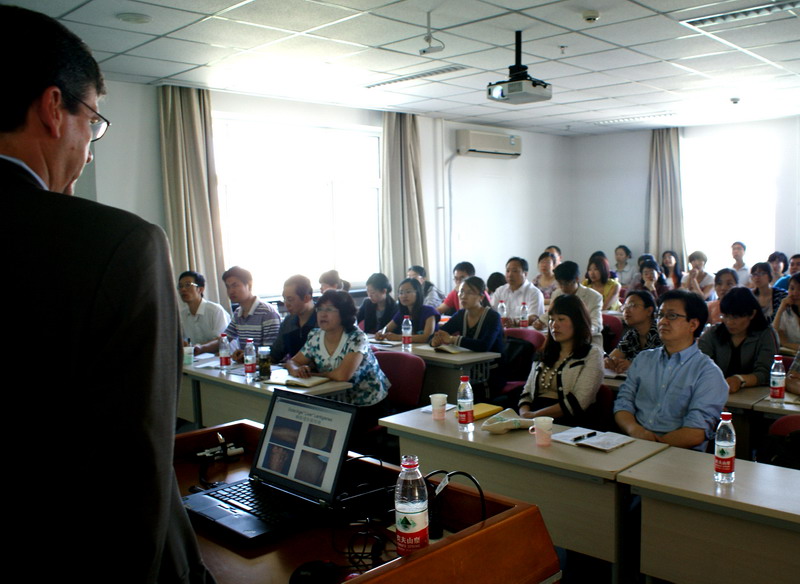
(438,405)
(188,355)
(543,430)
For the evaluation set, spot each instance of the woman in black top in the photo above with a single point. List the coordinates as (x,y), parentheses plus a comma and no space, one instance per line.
(379,307)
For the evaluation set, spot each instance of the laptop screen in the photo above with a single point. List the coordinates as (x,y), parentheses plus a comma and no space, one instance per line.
(304,444)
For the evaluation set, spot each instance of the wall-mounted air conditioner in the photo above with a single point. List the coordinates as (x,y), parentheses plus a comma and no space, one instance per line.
(488,144)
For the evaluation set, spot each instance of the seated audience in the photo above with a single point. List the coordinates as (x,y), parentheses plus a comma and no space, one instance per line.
(737,252)
(340,351)
(302,318)
(787,320)
(518,290)
(651,280)
(744,343)
(626,273)
(432,296)
(423,318)
(724,281)
(545,280)
(556,251)
(673,394)
(779,263)
(638,312)
(697,280)
(254,319)
(330,280)
(379,307)
(671,267)
(769,298)
(598,279)
(794,268)
(568,275)
(475,327)
(565,382)
(461,272)
(494,281)
(202,321)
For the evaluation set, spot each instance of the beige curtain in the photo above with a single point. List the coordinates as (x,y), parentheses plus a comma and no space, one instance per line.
(403,242)
(665,205)
(190,185)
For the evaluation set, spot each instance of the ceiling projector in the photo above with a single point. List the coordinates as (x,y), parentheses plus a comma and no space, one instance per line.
(520,87)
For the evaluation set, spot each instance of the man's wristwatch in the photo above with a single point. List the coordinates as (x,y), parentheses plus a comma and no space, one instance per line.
(741,380)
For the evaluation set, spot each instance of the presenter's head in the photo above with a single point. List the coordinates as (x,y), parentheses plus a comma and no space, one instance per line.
(49,110)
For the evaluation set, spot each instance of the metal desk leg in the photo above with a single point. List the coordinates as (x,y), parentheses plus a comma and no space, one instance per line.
(197,404)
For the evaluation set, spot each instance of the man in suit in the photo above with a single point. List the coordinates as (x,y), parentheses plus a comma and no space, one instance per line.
(92,417)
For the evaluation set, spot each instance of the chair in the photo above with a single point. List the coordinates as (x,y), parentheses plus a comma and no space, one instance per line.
(602,411)
(612,332)
(533,336)
(521,345)
(405,372)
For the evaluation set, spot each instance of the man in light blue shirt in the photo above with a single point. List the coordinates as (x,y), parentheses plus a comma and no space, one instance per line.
(673,394)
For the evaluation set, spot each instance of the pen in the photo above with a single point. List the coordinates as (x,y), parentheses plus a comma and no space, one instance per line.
(584,436)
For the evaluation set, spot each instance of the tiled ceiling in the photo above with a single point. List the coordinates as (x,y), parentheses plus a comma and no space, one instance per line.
(637,66)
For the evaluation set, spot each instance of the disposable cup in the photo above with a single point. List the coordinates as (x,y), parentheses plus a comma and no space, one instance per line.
(543,430)
(438,404)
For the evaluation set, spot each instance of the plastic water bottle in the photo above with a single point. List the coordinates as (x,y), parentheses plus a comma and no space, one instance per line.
(410,507)
(250,361)
(502,310)
(725,450)
(466,413)
(406,330)
(523,315)
(777,380)
(224,352)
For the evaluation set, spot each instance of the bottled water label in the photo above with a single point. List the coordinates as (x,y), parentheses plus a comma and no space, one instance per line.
(407,340)
(466,413)
(224,360)
(724,457)
(250,367)
(777,386)
(412,531)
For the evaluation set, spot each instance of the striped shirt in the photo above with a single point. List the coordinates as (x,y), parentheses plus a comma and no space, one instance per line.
(261,324)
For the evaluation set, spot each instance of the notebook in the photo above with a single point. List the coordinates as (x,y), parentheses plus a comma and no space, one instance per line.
(296,470)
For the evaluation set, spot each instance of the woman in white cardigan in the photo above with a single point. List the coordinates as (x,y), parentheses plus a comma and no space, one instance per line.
(564,383)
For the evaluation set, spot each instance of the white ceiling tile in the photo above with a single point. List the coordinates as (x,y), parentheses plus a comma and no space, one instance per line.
(490,59)
(143,66)
(682,47)
(730,59)
(608,60)
(676,83)
(381,60)
(444,13)
(104,13)
(54,8)
(569,13)
(361,4)
(649,71)
(227,33)
(779,52)
(296,15)
(454,45)
(587,80)
(433,89)
(106,39)
(574,44)
(785,30)
(553,70)
(203,6)
(500,30)
(181,51)
(653,28)
(370,30)
(632,90)
(308,47)
(128,78)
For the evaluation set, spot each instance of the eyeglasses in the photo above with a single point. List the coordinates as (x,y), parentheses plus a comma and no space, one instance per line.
(99,125)
(326,309)
(403,292)
(186,285)
(732,316)
(631,306)
(669,315)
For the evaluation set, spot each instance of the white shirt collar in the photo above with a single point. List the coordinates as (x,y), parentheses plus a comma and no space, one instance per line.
(26,167)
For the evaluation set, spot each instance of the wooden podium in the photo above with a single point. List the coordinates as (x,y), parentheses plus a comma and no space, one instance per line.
(512,545)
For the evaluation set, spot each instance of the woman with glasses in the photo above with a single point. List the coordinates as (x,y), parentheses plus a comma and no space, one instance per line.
(724,280)
(697,280)
(787,320)
(642,334)
(744,343)
(423,318)
(652,280)
(565,382)
(379,307)
(340,351)
(769,298)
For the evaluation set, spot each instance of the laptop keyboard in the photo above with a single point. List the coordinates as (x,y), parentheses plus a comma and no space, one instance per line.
(244,496)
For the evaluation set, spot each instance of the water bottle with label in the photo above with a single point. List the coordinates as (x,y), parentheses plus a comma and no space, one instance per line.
(466,407)
(406,329)
(777,380)
(249,361)
(224,352)
(523,315)
(725,450)
(502,310)
(410,507)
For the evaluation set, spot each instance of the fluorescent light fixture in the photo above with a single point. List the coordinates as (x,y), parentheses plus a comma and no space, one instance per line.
(420,75)
(633,119)
(755,11)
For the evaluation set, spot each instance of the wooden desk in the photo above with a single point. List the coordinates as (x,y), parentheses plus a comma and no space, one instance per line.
(210,396)
(790,405)
(459,557)
(694,530)
(574,487)
(443,370)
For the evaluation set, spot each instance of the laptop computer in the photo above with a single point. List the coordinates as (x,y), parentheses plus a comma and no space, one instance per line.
(296,470)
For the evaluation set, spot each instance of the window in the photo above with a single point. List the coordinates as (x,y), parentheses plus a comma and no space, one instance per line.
(729,181)
(298,199)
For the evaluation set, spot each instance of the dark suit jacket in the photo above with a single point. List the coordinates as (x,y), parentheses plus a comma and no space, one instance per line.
(95,337)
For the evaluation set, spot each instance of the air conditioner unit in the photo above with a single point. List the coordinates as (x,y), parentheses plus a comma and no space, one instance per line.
(488,144)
